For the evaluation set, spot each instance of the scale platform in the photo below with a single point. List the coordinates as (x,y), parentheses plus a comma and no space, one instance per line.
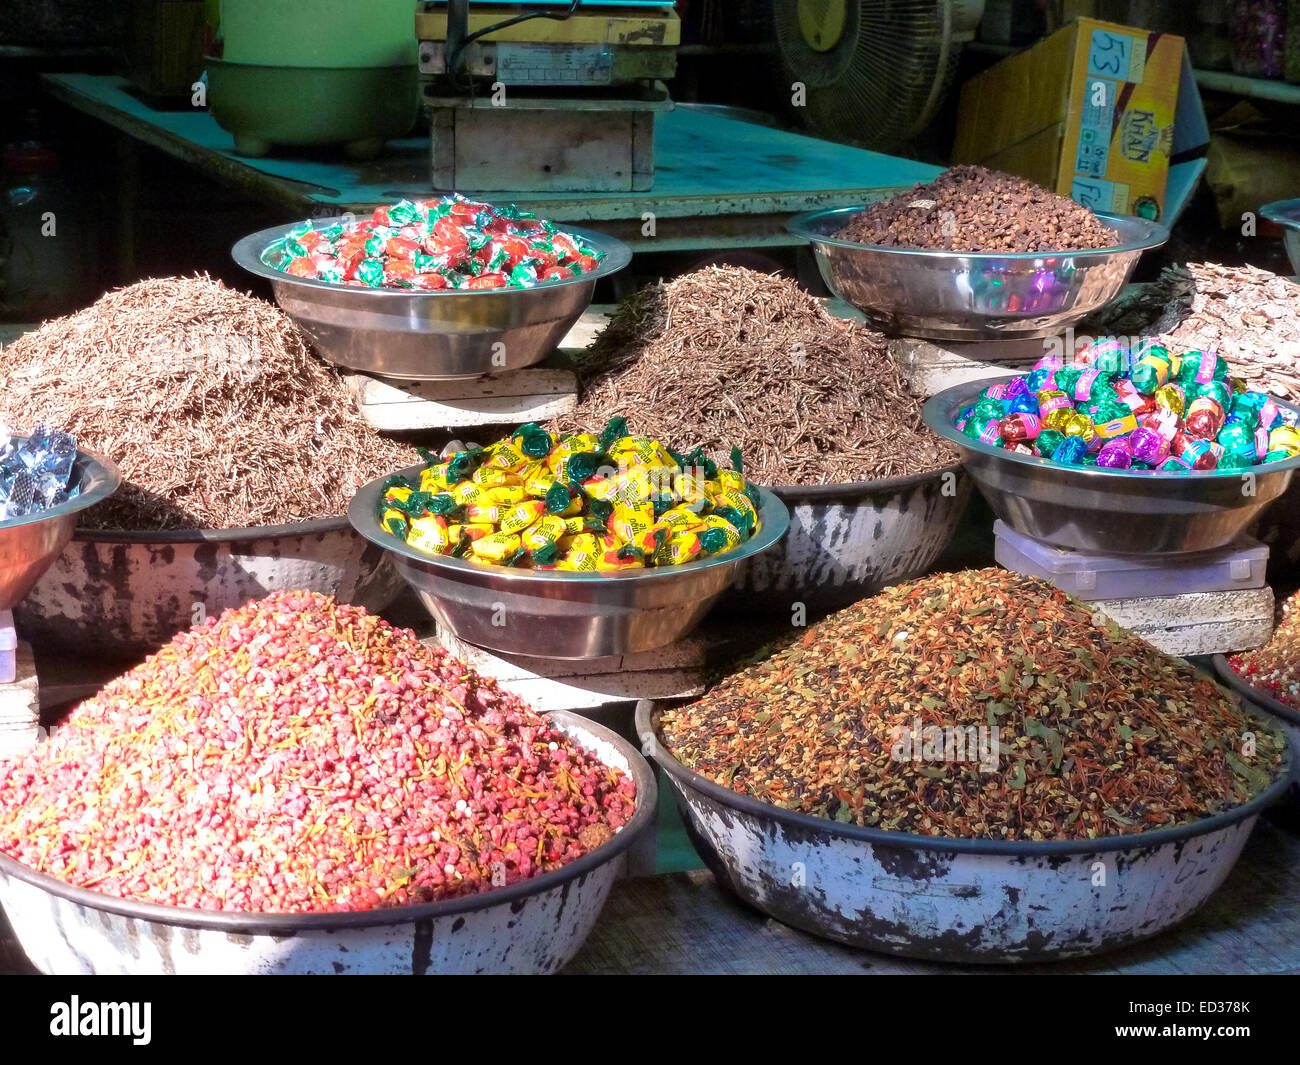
(1207,602)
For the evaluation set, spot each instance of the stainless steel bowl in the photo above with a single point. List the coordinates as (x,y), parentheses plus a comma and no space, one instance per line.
(1286,213)
(1119,512)
(568,616)
(429,336)
(534,926)
(973,296)
(949,899)
(29,545)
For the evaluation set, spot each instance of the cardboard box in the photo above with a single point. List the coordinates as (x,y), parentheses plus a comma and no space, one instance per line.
(1097,111)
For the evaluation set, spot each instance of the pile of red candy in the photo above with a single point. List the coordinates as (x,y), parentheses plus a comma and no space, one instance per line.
(449,243)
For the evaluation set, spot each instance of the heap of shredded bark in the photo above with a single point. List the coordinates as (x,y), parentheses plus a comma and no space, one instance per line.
(209,401)
(729,356)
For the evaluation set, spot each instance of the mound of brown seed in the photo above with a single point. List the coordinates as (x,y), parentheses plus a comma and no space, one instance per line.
(209,401)
(970,208)
(978,705)
(726,356)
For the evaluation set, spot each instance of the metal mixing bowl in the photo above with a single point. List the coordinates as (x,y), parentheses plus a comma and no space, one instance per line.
(1118,512)
(973,296)
(949,899)
(568,616)
(534,926)
(428,336)
(1286,213)
(29,545)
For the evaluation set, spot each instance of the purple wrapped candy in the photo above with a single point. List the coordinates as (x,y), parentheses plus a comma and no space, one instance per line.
(1016,387)
(1148,445)
(1115,455)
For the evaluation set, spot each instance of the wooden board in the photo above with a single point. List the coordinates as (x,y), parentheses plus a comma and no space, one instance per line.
(534,394)
(531,395)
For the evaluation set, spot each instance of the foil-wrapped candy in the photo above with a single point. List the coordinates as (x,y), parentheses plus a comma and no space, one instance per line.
(36,472)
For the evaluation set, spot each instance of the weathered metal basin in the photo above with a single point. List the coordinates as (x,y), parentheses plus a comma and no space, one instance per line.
(953,900)
(534,926)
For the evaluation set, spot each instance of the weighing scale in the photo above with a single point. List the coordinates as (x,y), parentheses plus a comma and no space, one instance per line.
(545,97)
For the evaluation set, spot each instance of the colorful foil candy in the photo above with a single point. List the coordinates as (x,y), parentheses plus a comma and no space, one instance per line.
(35,473)
(448,243)
(1122,409)
(581,503)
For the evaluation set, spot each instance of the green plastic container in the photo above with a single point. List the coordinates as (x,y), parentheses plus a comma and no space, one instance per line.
(359,108)
(313,73)
(317,33)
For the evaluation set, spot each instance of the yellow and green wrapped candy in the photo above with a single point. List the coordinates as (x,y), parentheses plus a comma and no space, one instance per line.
(583,503)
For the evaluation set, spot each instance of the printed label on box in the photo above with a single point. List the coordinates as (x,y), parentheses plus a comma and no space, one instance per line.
(1113,55)
(1099,195)
(1095,123)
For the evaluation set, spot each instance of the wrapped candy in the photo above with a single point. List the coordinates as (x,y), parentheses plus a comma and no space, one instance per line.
(583,503)
(1204,417)
(1115,455)
(1170,414)
(449,243)
(1153,370)
(1047,442)
(1148,445)
(1070,451)
(36,472)
(1172,398)
(1237,438)
(1285,438)
(1018,428)
(1202,368)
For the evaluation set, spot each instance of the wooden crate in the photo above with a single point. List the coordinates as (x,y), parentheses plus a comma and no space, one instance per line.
(531,395)
(532,143)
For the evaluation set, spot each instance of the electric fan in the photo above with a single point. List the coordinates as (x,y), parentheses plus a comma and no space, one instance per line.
(874,71)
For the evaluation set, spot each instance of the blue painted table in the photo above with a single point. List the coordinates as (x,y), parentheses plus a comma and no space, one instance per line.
(719,181)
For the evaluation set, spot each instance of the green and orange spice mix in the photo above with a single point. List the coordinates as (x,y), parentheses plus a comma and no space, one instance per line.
(299,755)
(1098,733)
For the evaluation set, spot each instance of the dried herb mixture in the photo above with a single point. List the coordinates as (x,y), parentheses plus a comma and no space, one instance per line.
(1099,734)
(971,208)
(299,755)
(1275,667)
